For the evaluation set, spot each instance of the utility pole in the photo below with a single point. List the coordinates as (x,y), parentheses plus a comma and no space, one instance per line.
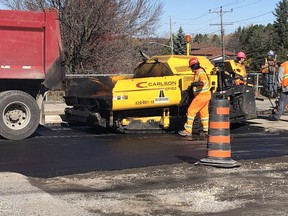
(171,37)
(221,13)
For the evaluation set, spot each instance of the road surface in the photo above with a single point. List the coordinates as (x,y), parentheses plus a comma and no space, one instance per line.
(77,171)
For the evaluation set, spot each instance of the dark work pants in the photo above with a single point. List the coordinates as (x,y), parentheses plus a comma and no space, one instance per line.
(283,101)
(270,85)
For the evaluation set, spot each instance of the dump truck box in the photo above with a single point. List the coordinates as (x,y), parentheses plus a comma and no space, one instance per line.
(30,64)
(30,47)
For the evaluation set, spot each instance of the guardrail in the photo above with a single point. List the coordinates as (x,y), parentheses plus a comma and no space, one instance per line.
(257,77)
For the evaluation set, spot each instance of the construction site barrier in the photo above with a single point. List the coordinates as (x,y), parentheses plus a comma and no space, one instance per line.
(218,143)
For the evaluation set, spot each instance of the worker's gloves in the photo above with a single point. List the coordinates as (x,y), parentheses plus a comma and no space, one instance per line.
(196,84)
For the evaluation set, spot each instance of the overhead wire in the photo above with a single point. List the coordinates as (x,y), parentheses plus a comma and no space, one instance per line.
(204,22)
(248,4)
(234,2)
(198,17)
(199,29)
(262,22)
(201,23)
(253,17)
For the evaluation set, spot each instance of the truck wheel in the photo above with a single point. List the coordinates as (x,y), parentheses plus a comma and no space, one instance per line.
(19,115)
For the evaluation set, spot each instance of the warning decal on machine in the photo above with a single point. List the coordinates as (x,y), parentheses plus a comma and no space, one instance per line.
(161,98)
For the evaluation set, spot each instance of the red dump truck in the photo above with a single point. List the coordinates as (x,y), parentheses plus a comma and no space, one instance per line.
(30,64)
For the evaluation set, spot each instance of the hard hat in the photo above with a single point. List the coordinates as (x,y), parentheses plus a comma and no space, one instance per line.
(270,53)
(193,61)
(241,55)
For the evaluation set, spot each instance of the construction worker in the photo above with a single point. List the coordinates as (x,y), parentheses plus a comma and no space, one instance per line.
(200,102)
(282,79)
(240,74)
(269,71)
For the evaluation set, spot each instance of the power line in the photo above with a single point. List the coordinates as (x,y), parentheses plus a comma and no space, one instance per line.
(200,23)
(253,17)
(234,2)
(202,28)
(198,17)
(248,4)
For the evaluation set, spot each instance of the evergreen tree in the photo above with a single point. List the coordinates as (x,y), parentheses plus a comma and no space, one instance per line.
(200,38)
(281,28)
(197,38)
(233,43)
(255,42)
(179,43)
(205,39)
(215,40)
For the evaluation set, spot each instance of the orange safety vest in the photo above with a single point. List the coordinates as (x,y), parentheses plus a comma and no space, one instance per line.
(285,75)
(206,86)
(269,66)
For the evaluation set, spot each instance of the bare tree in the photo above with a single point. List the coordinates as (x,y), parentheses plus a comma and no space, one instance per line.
(99,34)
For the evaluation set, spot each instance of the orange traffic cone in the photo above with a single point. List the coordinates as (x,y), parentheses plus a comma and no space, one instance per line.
(218,144)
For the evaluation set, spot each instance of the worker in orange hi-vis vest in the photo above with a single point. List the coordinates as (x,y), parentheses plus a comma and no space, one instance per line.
(283,85)
(200,102)
(269,73)
(240,70)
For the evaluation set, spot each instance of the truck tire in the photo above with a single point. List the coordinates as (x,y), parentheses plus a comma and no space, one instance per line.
(19,115)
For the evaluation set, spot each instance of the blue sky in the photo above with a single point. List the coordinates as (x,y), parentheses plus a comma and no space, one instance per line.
(194,16)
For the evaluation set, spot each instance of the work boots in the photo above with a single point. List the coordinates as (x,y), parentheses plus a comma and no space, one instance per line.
(203,134)
(185,133)
(272,118)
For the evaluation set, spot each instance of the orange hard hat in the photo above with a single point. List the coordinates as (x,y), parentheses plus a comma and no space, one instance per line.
(193,61)
(241,55)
